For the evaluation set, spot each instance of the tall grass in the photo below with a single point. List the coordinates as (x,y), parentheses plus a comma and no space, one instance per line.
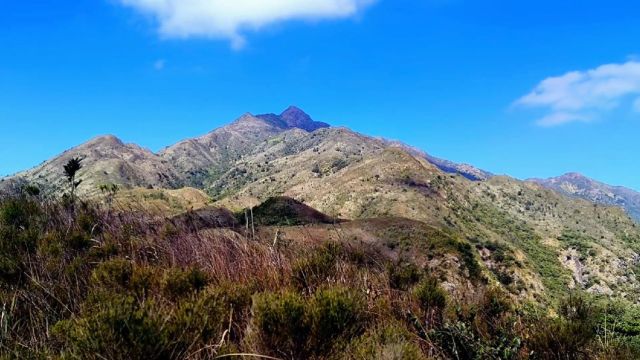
(87,282)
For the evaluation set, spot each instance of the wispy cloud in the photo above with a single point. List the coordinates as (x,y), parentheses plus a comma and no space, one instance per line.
(228,19)
(585,95)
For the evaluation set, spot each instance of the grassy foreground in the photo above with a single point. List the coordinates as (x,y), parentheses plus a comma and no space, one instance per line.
(89,283)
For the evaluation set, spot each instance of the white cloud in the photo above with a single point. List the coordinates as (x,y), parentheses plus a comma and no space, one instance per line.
(559,118)
(229,18)
(583,95)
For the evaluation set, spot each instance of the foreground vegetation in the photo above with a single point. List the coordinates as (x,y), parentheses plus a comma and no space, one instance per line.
(80,281)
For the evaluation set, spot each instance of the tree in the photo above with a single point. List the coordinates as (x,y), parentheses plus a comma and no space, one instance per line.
(71,171)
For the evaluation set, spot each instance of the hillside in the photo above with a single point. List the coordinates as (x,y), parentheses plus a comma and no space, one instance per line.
(212,243)
(536,242)
(88,283)
(198,162)
(561,242)
(107,160)
(580,186)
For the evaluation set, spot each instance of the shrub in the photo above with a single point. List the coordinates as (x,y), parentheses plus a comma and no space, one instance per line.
(18,213)
(116,327)
(336,313)
(113,274)
(122,275)
(430,295)
(178,283)
(469,259)
(198,321)
(403,275)
(458,340)
(282,322)
(567,336)
(18,237)
(388,342)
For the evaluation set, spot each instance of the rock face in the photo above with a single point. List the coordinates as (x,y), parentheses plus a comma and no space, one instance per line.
(577,185)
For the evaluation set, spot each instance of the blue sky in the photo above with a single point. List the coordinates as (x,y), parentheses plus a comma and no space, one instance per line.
(454,78)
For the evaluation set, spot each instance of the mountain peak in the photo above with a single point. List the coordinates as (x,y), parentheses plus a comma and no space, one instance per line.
(104,140)
(293,117)
(573,175)
(578,185)
(294,112)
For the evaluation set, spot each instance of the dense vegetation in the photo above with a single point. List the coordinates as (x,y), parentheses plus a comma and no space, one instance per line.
(82,281)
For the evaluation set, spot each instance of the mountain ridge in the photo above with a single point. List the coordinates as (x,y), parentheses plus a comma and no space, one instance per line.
(352,176)
(187,162)
(580,186)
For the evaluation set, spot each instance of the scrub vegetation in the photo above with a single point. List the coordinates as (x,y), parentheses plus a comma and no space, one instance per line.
(79,281)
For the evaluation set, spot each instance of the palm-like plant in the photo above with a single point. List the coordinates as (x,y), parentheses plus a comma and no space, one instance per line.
(71,171)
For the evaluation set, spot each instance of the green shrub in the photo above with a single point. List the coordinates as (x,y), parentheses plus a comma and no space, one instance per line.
(204,318)
(18,213)
(458,340)
(335,313)
(403,275)
(18,237)
(178,283)
(386,342)
(567,336)
(282,323)
(122,275)
(77,241)
(469,259)
(116,327)
(113,274)
(430,295)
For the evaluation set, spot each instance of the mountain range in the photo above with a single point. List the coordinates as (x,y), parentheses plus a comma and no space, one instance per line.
(578,185)
(531,236)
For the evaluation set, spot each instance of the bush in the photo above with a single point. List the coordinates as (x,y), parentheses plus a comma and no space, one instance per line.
(386,342)
(335,313)
(298,328)
(282,323)
(116,327)
(113,274)
(178,283)
(567,336)
(430,295)
(18,213)
(203,319)
(121,275)
(403,276)
(123,327)
(18,238)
